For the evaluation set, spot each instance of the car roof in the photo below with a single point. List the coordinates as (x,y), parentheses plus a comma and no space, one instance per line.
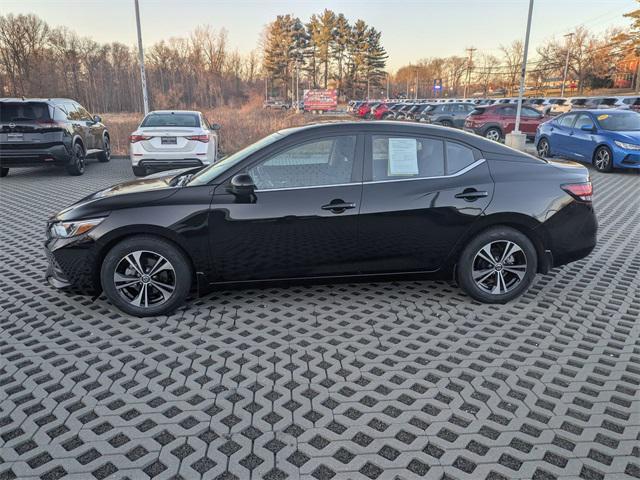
(196,112)
(27,99)
(338,126)
(599,111)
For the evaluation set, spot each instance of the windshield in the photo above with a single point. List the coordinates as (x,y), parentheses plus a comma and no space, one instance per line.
(620,121)
(205,176)
(171,120)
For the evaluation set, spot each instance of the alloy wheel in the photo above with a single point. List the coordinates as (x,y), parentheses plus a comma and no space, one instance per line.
(107,148)
(144,278)
(499,267)
(543,148)
(602,160)
(493,134)
(79,158)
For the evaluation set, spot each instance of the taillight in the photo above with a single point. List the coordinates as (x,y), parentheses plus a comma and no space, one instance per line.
(579,191)
(48,123)
(199,138)
(138,138)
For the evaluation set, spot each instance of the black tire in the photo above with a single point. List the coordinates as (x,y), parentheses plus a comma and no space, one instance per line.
(283,108)
(446,123)
(4,172)
(76,165)
(603,159)
(153,248)
(543,148)
(516,278)
(105,155)
(493,133)
(139,171)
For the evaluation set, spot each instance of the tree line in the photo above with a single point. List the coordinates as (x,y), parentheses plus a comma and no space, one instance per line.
(325,51)
(198,71)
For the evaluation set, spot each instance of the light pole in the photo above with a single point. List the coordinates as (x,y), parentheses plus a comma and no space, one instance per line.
(517,139)
(143,77)
(566,63)
(387,85)
(466,83)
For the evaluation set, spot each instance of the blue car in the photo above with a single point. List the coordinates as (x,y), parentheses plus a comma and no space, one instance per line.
(606,138)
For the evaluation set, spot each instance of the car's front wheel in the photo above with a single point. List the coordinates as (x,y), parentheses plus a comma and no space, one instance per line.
(146,276)
(543,148)
(603,160)
(105,154)
(497,265)
(446,123)
(4,172)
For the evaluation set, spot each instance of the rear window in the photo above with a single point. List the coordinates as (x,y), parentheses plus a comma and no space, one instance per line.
(579,101)
(171,120)
(609,101)
(477,111)
(23,112)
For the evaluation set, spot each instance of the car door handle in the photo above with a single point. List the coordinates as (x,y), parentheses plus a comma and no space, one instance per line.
(338,206)
(471,194)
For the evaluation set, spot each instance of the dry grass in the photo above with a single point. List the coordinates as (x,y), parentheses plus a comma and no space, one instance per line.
(240,126)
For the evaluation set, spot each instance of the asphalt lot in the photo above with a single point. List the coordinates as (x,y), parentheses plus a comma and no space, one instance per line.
(386,380)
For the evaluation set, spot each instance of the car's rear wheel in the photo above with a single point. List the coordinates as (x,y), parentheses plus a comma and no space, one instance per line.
(603,160)
(4,172)
(77,164)
(139,171)
(543,148)
(146,276)
(446,123)
(494,134)
(497,265)
(105,154)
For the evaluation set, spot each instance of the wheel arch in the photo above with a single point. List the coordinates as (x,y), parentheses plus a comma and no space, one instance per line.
(526,225)
(120,234)
(488,126)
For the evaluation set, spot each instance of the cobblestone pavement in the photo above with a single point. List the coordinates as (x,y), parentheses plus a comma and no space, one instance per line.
(379,380)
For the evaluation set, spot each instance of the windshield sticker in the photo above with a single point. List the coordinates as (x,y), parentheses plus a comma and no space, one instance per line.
(603,117)
(403,156)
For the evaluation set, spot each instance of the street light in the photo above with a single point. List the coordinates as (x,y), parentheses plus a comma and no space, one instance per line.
(143,77)
(566,63)
(516,138)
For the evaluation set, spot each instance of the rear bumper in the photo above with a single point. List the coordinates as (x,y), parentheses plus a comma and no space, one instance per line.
(159,165)
(572,233)
(33,156)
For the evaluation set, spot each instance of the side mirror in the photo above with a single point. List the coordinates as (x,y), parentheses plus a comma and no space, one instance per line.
(242,185)
(587,128)
(97,119)
(215,126)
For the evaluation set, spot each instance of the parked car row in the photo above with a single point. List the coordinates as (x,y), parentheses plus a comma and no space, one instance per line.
(492,121)
(61,132)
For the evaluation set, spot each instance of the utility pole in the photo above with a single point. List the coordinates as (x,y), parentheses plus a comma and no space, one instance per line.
(638,70)
(466,83)
(266,90)
(523,72)
(566,62)
(388,85)
(143,77)
(297,85)
(416,83)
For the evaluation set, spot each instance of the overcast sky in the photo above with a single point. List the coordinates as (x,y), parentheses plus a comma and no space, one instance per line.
(411,29)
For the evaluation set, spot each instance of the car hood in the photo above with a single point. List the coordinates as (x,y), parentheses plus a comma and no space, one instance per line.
(631,136)
(122,195)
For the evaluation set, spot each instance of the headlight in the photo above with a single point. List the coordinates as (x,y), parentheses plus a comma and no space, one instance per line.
(627,146)
(74,228)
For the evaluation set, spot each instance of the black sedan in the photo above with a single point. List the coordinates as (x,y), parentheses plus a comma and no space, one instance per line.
(326,201)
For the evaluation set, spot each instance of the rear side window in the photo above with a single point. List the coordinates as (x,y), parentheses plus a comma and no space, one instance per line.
(396,158)
(171,120)
(584,120)
(24,112)
(459,157)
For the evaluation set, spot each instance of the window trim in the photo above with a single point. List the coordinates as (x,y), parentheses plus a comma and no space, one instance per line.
(466,169)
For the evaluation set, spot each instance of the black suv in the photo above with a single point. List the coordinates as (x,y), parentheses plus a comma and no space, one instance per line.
(52,131)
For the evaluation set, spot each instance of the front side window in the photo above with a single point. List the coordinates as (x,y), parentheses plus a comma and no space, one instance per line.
(530,112)
(320,162)
(583,120)
(396,158)
(83,113)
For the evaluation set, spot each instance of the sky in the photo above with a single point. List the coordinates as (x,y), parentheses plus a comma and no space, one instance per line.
(411,29)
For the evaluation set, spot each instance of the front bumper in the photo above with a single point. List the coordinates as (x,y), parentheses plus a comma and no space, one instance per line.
(623,158)
(72,264)
(33,156)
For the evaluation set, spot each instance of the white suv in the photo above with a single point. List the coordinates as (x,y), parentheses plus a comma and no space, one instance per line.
(170,139)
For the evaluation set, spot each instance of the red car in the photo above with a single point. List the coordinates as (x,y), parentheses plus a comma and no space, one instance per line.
(381,111)
(495,121)
(364,111)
